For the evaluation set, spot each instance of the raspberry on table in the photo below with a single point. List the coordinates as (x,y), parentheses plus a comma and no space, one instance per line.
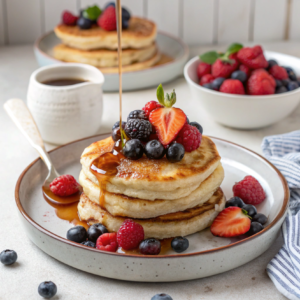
(108,19)
(64,185)
(190,137)
(278,72)
(107,242)
(150,106)
(203,69)
(224,68)
(252,57)
(261,83)
(249,190)
(69,19)
(208,78)
(130,234)
(232,86)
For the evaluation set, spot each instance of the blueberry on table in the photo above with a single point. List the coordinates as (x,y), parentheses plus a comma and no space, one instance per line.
(235,201)
(255,227)
(8,257)
(175,152)
(162,297)
(292,85)
(47,289)
(260,218)
(117,124)
(198,126)
(179,244)
(133,149)
(101,227)
(281,90)
(250,209)
(216,83)
(154,149)
(272,62)
(93,233)
(77,234)
(84,23)
(89,244)
(239,75)
(150,247)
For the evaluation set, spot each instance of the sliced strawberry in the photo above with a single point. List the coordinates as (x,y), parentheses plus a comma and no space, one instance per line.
(230,222)
(167,122)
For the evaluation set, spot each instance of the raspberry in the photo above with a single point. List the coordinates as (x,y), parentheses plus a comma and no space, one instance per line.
(69,19)
(232,86)
(203,69)
(130,234)
(190,137)
(108,20)
(249,190)
(278,72)
(206,79)
(245,69)
(64,185)
(107,242)
(151,105)
(261,83)
(252,57)
(224,68)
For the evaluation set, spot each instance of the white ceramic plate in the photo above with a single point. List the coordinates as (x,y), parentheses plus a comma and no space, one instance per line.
(150,77)
(207,255)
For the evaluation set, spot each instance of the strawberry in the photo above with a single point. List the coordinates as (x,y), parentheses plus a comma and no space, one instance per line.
(232,221)
(108,19)
(167,120)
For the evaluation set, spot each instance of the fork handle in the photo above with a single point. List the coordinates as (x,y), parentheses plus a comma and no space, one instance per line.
(21,116)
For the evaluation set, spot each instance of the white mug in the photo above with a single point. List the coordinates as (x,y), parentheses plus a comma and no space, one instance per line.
(70,112)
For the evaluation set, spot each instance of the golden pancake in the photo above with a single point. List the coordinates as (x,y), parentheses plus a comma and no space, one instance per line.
(141,33)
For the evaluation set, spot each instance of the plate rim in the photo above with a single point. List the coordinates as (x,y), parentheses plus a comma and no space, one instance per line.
(183,255)
(183,57)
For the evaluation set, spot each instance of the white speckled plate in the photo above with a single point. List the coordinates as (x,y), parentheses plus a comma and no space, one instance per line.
(150,77)
(207,255)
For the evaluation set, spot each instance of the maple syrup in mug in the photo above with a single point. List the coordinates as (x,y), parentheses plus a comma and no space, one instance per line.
(63,81)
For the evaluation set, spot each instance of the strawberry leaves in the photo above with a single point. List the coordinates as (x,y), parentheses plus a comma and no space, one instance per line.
(211,56)
(167,100)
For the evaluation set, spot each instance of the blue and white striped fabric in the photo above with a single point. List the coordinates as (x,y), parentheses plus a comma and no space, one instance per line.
(284,269)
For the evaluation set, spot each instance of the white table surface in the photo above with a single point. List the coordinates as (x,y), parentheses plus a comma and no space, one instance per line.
(21,280)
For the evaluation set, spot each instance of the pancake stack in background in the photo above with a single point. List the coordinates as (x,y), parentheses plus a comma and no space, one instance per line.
(167,199)
(98,47)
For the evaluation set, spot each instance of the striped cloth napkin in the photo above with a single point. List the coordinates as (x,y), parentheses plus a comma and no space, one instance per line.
(284,269)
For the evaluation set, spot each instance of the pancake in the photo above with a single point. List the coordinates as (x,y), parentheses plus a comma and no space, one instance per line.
(120,205)
(150,179)
(175,224)
(103,58)
(141,33)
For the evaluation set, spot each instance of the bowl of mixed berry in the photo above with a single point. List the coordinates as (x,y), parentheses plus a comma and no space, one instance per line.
(245,87)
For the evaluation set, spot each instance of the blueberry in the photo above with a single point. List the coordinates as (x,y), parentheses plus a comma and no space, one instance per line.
(162,297)
(47,289)
(125,24)
(117,124)
(77,234)
(216,84)
(292,85)
(235,201)
(133,149)
(175,152)
(250,209)
(292,76)
(84,23)
(179,244)
(116,134)
(255,227)
(154,149)
(198,126)
(260,218)
(125,14)
(239,75)
(101,227)
(187,120)
(8,257)
(89,244)
(281,90)
(150,246)
(289,69)
(285,82)
(208,86)
(278,83)
(109,4)
(298,81)
(93,233)
(272,63)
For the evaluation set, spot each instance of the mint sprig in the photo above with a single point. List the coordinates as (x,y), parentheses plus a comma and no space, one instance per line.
(92,13)
(167,100)
(211,56)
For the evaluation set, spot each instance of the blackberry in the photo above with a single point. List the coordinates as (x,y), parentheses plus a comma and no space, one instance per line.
(137,114)
(138,129)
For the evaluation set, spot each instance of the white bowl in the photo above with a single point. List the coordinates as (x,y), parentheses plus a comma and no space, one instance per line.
(245,112)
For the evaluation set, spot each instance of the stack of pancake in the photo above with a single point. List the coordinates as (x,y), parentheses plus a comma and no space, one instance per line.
(98,47)
(167,199)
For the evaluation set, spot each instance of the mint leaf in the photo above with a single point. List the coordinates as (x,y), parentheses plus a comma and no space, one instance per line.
(92,13)
(160,94)
(209,57)
(233,48)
